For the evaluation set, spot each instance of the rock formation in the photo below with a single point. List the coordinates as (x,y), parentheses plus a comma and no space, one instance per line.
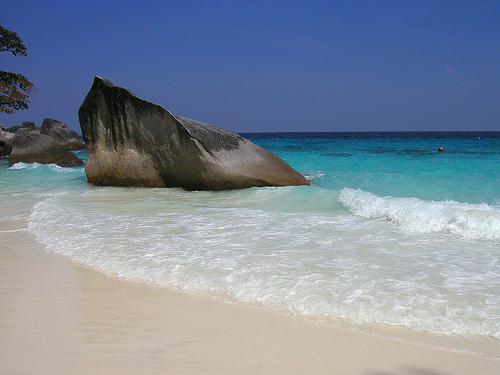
(5,142)
(30,125)
(66,137)
(133,142)
(32,147)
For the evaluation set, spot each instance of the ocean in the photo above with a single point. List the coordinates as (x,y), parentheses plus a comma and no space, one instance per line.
(393,237)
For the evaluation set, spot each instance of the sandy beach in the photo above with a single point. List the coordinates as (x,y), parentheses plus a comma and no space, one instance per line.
(59,317)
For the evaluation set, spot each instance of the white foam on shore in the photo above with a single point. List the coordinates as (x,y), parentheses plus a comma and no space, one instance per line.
(291,249)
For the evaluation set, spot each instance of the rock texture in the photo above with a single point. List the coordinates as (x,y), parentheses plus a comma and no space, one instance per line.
(133,142)
(66,137)
(32,147)
(5,142)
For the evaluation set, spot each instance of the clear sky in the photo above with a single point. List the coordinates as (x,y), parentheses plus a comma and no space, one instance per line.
(252,66)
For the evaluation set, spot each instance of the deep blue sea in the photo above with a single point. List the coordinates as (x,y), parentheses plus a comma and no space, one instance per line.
(392,232)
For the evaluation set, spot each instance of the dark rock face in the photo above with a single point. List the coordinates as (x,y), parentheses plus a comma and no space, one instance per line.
(62,134)
(133,142)
(32,147)
(14,128)
(5,142)
(30,125)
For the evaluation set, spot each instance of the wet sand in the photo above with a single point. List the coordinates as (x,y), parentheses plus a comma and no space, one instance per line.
(59,317)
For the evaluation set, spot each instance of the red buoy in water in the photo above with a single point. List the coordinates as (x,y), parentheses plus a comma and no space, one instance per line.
(440,149)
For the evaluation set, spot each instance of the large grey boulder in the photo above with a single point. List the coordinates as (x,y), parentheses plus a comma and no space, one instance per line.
(33,147)
(66,137)
(133,142)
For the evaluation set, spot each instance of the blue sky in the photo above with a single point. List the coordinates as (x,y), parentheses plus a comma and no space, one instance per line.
(252,66)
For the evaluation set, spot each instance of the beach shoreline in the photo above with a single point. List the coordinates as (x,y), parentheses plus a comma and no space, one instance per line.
(61,317)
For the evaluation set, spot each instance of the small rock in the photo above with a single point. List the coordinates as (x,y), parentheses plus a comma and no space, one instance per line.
(32,147)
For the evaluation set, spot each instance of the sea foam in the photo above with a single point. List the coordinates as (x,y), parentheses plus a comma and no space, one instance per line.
(310,257)
(469,221)
(22,165)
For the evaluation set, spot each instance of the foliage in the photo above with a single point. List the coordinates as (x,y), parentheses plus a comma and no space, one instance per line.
(14,92)
(9,41)
(14,88)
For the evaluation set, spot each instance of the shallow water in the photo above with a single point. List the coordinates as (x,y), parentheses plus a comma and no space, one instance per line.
(392,231)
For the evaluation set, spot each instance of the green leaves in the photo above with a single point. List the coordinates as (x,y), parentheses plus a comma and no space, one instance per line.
(9,41)
(14,88)
(14,92)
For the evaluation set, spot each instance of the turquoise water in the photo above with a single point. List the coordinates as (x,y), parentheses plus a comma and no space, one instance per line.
(397,164)
(391,232)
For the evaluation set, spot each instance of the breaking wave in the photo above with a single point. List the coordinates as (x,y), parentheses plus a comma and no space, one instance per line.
(468,221)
